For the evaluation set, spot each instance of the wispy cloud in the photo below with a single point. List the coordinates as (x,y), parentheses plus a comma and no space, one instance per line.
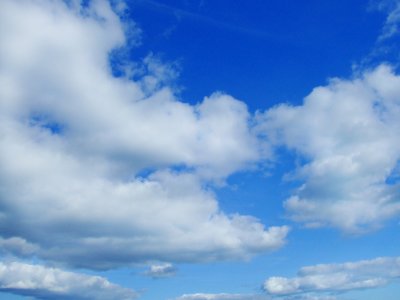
(337,277)
(203,19)
(391,27)
(161,271)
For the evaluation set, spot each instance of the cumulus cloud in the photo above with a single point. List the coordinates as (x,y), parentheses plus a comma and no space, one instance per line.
(337,277)
(346,134)
(161,271)
(51,283)
(99,171)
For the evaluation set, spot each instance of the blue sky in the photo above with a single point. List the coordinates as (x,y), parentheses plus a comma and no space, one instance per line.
(199,150)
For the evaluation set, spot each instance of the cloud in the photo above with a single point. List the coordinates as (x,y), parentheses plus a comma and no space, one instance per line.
(346,134)
(308,297)
(223,296)
(17,246)
(200,296)
(337,277)
(161,271)
(50,283)
(391,27)
(101,172)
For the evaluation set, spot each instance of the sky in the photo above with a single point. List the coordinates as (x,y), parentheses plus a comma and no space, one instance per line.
(199,150)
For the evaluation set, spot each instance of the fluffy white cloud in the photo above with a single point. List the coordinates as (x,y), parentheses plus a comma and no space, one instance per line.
(161,271)
(76,141)
(50,283)
(61,59)
(337,277)
(347,135)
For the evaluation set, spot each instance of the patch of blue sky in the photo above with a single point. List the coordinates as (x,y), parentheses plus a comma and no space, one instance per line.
(394,177)
(9,296)
(47,124)
(304,44)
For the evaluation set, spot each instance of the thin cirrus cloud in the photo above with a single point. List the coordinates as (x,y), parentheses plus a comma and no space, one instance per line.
(391,26)
(197,17)
(76,140)
(334,278)
(51,283)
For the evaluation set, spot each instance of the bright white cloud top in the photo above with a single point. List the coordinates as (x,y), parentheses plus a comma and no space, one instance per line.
(74,139)
(347,132)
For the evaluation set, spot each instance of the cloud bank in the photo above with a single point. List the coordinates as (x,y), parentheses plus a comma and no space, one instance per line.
(320,282)
(222,296)
(99,171)
(337,277)
(51,283)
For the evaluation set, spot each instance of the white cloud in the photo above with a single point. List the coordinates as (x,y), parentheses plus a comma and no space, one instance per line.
(337,277)
(347,134)
(50,283)
(392,23)
(309,296)
(105,116)
(222,296)
(76,142)
(161,270)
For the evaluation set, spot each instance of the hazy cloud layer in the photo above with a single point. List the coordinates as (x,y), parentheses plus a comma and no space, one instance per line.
(346,134)
(50,283)
(337,277)
(200,296)
(306,296)
(99,171)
